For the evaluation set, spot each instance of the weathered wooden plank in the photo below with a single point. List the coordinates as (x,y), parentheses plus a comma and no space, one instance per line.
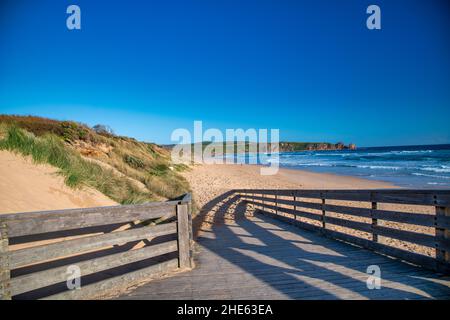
(348,196)
(183,236)
(46,252)
(48,277)
(374,222)
(191,234)
(187,198)
(401,196)
(298,213)
(282,192)
(5,269)
(442,222)
(442,199)
(117,282)
(426,220)
(303,204)
(414,237)
(422,198)
(443,243)
(77,212)
(352,211)
(58,221)
(349,224)
(324,212)
(296,203)
(442,236)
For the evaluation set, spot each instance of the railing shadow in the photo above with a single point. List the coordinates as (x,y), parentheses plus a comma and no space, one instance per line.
(312,267)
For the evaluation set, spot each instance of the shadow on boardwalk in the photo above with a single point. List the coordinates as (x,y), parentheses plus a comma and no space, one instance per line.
(242,255)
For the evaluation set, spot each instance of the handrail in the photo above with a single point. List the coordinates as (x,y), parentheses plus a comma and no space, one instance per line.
(284,204)
(110,247)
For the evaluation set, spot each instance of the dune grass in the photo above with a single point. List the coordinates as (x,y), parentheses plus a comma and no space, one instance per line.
(70,146)
(151,167)
(77,172)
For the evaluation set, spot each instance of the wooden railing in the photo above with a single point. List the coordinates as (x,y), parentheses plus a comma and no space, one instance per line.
(43,253)
(310,209)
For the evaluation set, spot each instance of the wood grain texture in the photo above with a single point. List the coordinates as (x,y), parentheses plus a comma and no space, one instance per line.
(120,240)
(183,236)
(45,278)
(5,285)
(46,252)
(116,283)
(43,222)
(400,196)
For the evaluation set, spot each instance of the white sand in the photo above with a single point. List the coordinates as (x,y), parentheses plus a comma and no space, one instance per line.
(209,181)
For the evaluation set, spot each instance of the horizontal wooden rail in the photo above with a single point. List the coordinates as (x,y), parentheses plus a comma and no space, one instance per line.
(115,282)
(290,205)
(110,246)
(48,221)
(35,254)
(48,277)
(401,196)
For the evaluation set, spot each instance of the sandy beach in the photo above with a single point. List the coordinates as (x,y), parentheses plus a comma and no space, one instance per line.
(209,181)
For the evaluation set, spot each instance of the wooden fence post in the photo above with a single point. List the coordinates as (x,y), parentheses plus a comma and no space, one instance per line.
(191,235)
(276,202)
(295,204)
(5,273)
(263,205)
(323,211)
(374,221)
(442,234)
(184,251)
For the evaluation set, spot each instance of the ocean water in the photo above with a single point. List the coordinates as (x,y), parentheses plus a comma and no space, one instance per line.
(426,166)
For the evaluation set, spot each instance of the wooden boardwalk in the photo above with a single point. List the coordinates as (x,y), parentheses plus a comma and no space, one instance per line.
(257,257)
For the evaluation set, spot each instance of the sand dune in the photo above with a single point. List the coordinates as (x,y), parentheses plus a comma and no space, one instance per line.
(25,186)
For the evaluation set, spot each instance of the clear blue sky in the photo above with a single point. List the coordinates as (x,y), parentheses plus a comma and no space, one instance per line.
(310,68)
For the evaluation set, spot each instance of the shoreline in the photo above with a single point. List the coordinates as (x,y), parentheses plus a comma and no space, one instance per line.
(338,176)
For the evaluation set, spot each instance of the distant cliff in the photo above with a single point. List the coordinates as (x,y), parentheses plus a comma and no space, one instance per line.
(302,146)
(283,146)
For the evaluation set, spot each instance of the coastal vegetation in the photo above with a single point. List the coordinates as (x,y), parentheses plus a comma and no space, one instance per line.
(302,146)
(241,146)
(124,169)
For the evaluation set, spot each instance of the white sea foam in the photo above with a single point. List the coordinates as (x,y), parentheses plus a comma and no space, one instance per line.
(420,167)
(378,167)
(430,175)
(434,169)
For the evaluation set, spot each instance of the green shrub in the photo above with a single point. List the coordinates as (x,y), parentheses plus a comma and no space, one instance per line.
(134,162)
(72,131)
(159,169)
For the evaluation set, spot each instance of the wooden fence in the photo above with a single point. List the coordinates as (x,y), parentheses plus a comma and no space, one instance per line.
(294,205)
(44,254)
